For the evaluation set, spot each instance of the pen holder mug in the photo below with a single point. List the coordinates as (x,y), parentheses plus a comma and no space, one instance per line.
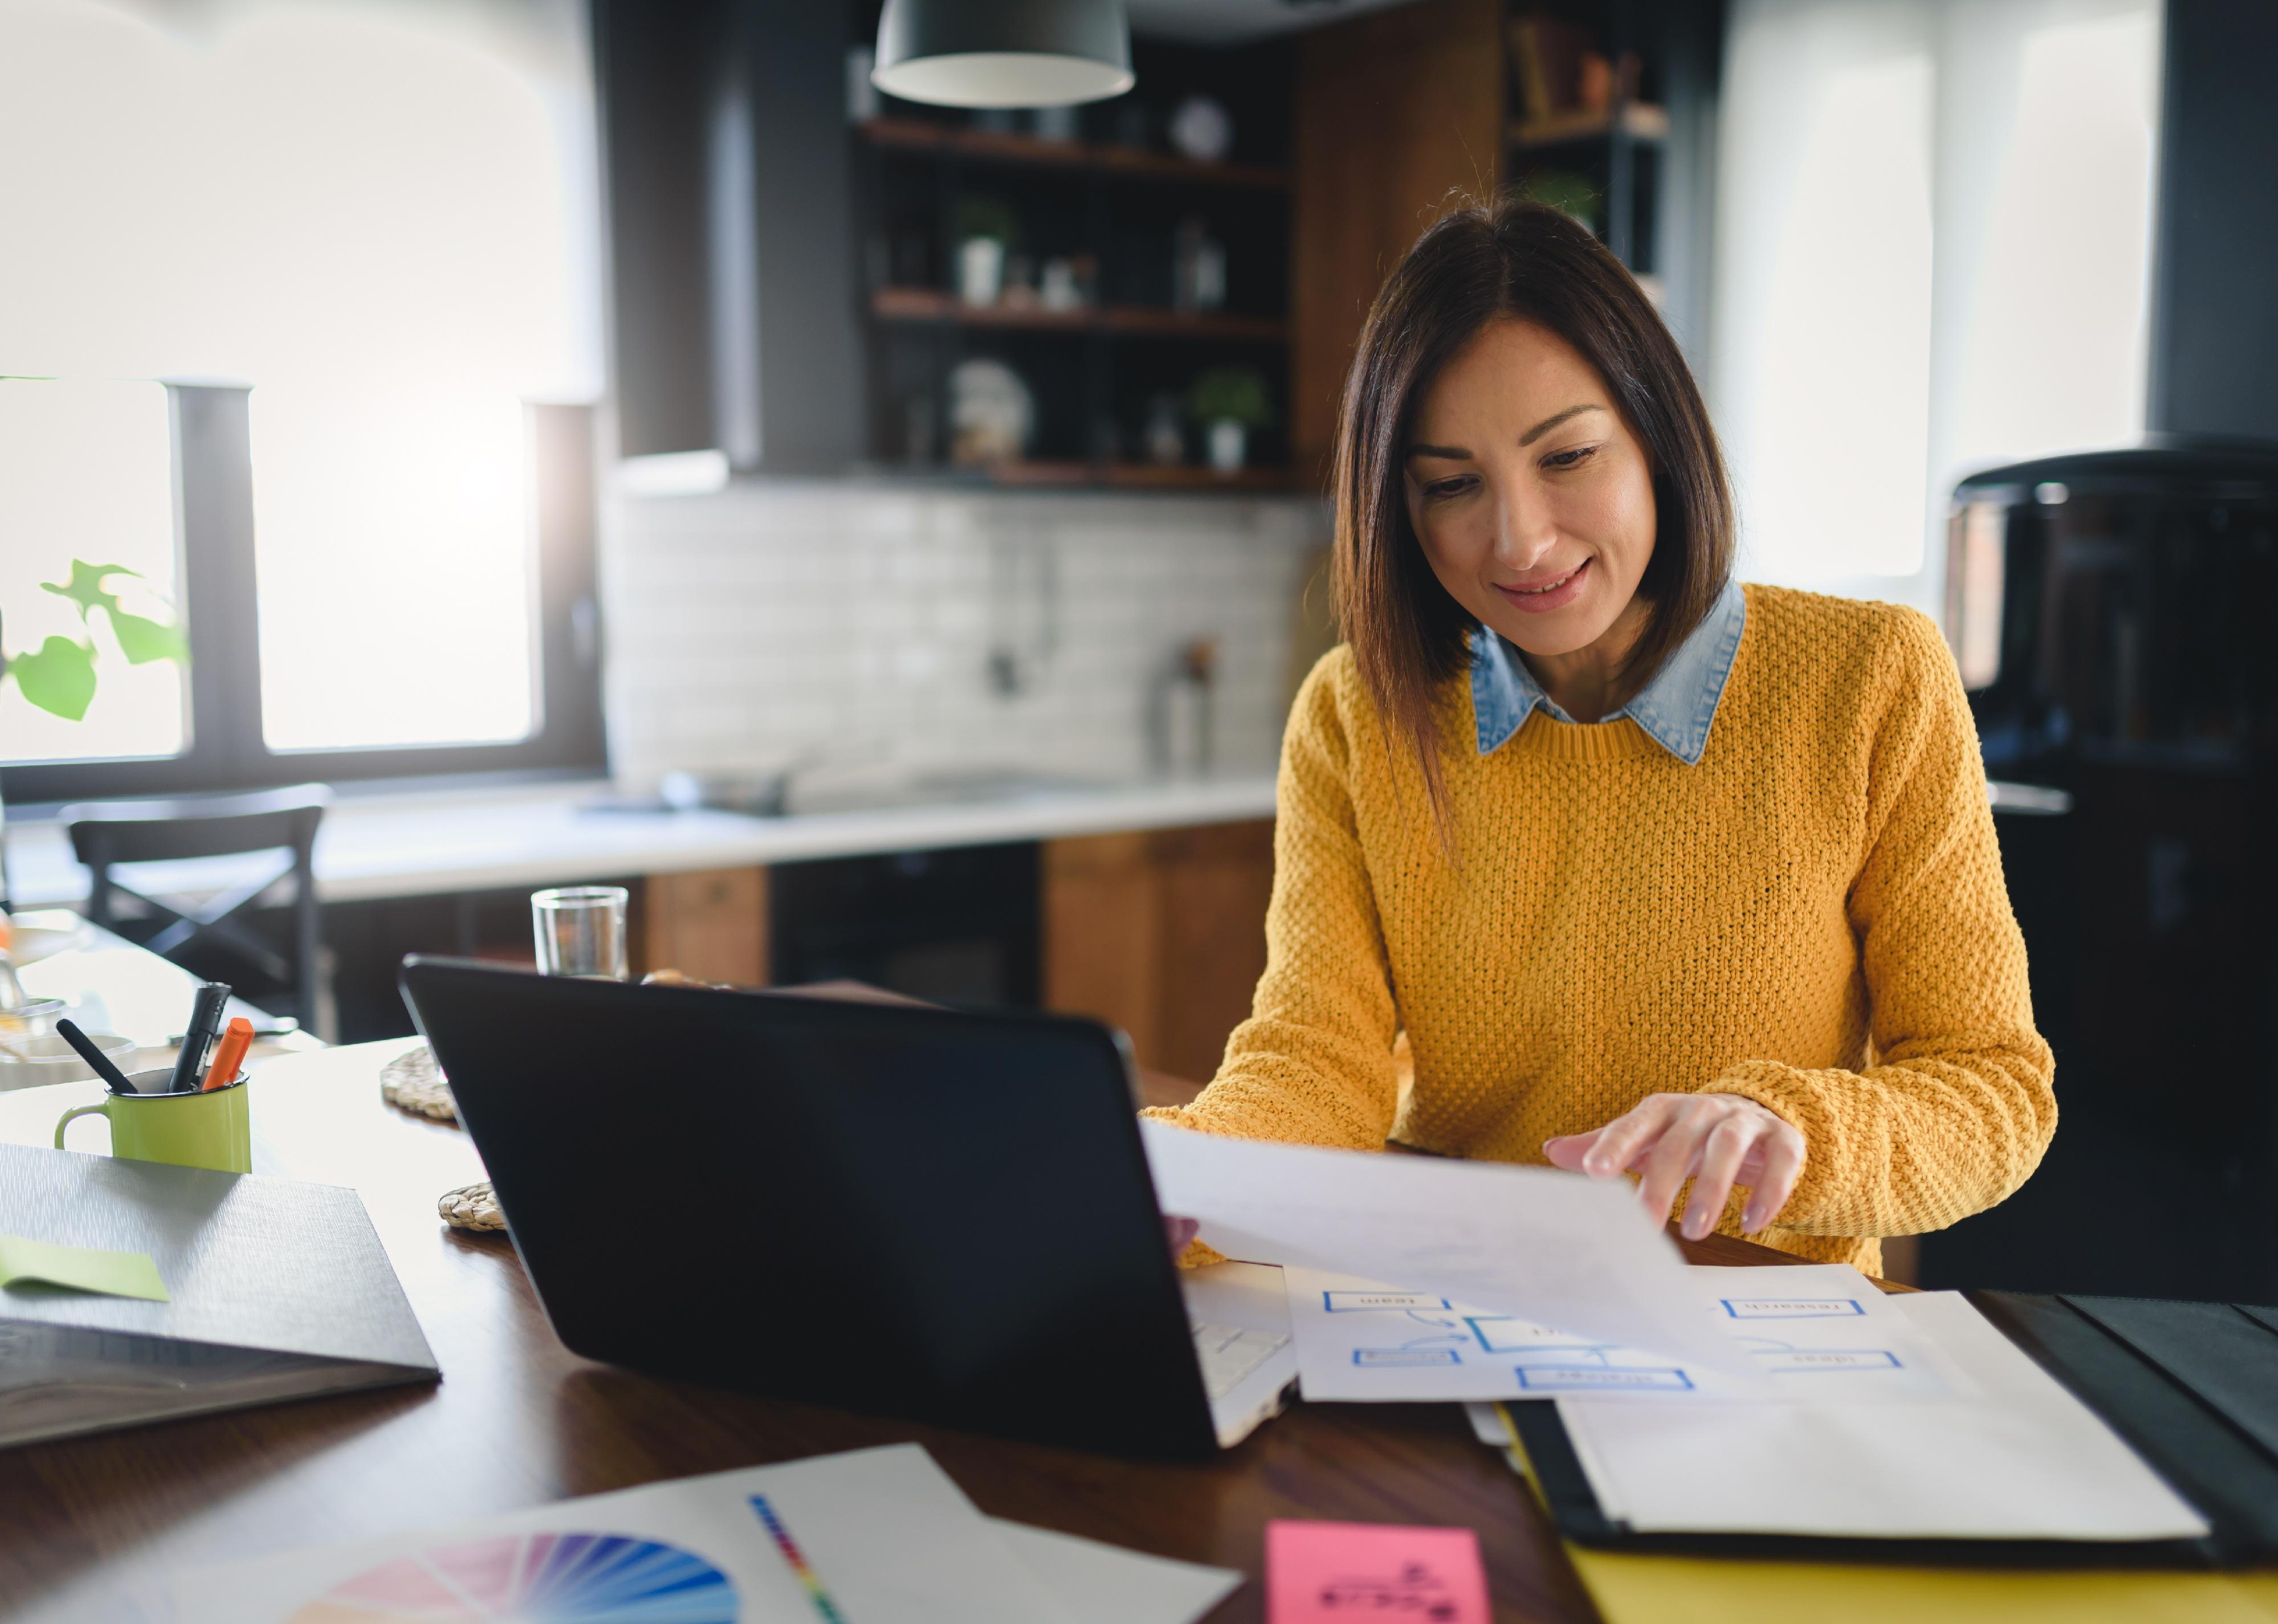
(189,1129)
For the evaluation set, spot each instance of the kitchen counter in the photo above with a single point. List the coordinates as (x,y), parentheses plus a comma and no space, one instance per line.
(435,843)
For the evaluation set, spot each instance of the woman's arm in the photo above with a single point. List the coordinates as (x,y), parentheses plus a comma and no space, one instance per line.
(1961,1106)
(1313,1063)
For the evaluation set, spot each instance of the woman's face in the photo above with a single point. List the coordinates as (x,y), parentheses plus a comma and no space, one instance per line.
(1531,497)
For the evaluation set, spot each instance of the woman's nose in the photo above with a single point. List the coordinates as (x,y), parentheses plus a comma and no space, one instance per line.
(1525,530)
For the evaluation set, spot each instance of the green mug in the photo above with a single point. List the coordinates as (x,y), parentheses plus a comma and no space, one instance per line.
(190,1130)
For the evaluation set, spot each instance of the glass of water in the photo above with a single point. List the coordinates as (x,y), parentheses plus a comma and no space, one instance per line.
(581,931)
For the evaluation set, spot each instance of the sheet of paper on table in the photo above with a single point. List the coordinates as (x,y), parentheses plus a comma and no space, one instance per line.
(881,1535)
(1818,1332)
(1528,1241)
(2022,1458)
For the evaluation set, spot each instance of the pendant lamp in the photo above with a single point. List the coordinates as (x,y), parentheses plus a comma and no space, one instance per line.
(1004,53)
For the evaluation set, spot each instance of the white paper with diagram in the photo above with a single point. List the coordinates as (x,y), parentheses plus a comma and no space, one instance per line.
(1522,1241)
(1817,1332)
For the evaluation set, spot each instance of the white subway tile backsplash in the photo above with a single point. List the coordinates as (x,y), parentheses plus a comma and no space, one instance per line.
(752,627)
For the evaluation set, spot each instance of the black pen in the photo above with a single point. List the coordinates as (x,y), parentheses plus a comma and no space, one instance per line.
(205,1018)
(94,1057)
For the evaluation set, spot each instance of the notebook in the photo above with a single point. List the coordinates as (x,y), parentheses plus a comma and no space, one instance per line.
(277,1290)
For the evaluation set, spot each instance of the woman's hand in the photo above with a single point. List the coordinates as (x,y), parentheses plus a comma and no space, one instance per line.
(1179,1232)
(1715,1139)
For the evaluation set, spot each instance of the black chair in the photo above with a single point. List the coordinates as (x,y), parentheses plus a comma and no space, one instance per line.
(105,834)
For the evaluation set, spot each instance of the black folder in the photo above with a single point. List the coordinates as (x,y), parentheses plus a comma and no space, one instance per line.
(2192,1387)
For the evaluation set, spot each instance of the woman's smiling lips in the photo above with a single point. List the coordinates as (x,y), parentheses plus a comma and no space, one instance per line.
(1551,595)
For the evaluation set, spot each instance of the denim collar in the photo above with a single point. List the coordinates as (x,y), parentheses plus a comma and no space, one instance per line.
(1674,709)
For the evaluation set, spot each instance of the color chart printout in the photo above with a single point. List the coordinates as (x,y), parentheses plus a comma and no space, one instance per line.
(1825,1334)
(875,1537)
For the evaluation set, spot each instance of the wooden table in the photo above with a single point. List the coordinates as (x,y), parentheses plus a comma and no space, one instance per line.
(91,1527)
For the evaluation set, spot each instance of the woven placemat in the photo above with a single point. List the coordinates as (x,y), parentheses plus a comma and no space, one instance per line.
(474,1208)
(413,1082)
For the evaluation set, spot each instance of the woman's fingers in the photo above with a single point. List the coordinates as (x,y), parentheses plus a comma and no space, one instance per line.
(1718,1141)
(1674,1158)
(1627,1137)
(1725,1148)
(1179,1232)
(1783,1165)
(1568,1150)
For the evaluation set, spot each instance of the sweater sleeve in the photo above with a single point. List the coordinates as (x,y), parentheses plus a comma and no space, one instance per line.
(1960,1108)
(1313,1063)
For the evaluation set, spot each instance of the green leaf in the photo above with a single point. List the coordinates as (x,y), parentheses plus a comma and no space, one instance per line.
(142,640)
(85,587)
(58,677)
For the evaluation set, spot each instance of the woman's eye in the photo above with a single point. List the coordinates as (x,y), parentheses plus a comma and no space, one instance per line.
(1440,490)
(1571,459)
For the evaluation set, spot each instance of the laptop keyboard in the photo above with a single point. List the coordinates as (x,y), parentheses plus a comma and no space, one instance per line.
(1227,1353)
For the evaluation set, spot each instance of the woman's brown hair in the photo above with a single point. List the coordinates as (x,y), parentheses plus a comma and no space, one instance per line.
(1480,262)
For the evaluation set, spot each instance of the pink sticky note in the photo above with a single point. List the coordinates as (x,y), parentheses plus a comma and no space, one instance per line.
(1358,1573)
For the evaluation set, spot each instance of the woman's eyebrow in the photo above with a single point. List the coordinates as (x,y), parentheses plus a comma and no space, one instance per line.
(1454,453)
(1552,421)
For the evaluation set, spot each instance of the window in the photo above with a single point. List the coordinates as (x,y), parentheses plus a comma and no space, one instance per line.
(87,485)
(394,536)
(370,232)
(450,628)
(1830,413)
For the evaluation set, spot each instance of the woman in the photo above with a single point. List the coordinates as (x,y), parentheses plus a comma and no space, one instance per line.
(1653,872)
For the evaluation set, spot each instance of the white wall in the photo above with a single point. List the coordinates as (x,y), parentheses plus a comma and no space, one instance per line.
(748,627)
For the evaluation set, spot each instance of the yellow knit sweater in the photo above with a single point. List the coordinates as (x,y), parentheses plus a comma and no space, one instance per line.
(1813,915)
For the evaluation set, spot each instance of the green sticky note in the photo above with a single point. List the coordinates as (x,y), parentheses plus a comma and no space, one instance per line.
(83,1269)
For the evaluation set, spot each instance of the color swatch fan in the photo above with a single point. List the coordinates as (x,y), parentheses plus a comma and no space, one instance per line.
(534,1579)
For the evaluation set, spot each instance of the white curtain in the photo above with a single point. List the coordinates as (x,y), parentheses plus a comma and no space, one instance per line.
(1933,230)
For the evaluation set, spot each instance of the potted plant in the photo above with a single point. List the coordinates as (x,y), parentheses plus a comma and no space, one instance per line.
(59,676)
(987,229)
(1229,401)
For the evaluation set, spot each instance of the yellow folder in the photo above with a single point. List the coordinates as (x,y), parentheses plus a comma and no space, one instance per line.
(1688,1590)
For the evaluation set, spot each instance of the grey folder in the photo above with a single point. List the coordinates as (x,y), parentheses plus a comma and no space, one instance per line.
(279,1291)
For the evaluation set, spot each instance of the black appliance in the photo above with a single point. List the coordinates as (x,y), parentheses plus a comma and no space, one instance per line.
(961,924)
(2115,616)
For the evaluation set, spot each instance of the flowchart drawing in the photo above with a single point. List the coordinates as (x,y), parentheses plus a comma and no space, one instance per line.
(1600,1378)
(1794,1307)
(1828,1334)
(1373,1302)
(1790,1361)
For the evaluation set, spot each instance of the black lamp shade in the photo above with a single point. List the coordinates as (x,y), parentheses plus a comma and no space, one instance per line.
(1004,53)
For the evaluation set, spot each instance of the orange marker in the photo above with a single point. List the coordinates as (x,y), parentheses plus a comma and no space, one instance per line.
(229,1054)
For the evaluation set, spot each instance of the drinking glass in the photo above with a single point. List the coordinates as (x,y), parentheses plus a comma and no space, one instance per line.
(581,931)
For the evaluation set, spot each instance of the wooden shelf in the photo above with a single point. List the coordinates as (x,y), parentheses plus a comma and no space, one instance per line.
(1122,475)
(1149,476)
(1007,147)
(928,304)
(1169,166)
(1639,120)
(1180,324)
(1039,473)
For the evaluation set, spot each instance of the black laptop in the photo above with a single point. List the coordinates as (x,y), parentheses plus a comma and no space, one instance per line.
(924,1212)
